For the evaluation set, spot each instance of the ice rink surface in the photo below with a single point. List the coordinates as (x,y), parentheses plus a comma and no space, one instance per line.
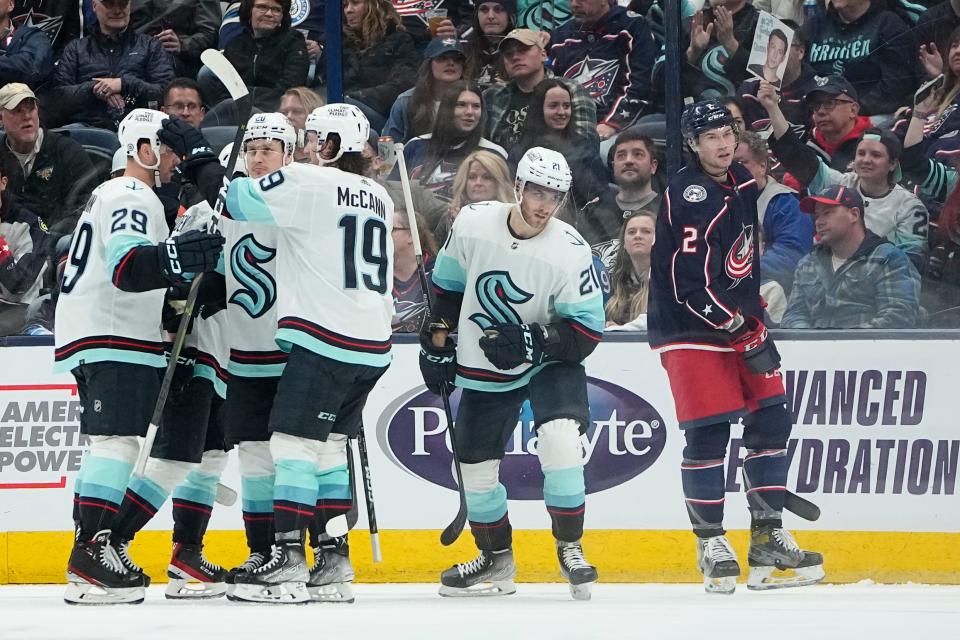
(537,611)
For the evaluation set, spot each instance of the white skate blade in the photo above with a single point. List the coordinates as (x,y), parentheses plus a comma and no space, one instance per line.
(84,593)
(724,586)
(189,589)
(581,591)
(333,592)
(765,578)
(481,589)
(283,593)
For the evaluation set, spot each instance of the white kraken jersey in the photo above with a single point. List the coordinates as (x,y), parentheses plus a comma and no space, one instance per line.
(508,280)
(96,321)
(335,258)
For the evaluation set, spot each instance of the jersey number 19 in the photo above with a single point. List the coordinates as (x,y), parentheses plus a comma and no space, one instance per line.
(373,252)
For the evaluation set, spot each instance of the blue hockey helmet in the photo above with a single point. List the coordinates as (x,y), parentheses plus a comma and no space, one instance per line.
(702,116)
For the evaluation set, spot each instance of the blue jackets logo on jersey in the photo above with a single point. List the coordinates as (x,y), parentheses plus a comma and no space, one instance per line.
(259,290)
(595,75)
(496,290)
(739,262)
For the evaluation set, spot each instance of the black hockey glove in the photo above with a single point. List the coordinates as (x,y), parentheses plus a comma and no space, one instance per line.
(754,344)
(438,365)
(510,345)
(192,252)
(188,143)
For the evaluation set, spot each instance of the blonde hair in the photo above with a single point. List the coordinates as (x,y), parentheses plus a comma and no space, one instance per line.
(380,15)
(495,166)
(309,98)
(629,290)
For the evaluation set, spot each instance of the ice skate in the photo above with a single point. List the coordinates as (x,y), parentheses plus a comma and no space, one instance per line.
(255,560)
(282,580)
(777,562)
(332,573)
(718,563)
(489,574)
(122,548)
(95,575)
(575,569)
(192,576)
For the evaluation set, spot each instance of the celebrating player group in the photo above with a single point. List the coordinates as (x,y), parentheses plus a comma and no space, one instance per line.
(289,323)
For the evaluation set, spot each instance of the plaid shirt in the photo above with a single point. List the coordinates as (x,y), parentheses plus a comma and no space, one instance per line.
(877,288)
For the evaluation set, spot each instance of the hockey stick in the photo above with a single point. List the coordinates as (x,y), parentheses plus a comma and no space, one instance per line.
(801,506)
(455,528)
(221,67)
(342,524)
(368,496)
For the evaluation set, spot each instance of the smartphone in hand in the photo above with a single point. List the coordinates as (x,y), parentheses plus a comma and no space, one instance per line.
(927,88)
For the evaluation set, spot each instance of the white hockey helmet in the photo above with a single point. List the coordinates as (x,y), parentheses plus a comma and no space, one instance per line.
(345,120)
(271,126)
(119,161)
(544,167)
(141,124)
(239,167)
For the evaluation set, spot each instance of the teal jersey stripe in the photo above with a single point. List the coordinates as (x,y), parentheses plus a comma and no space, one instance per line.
(448,273)
(110,493)
(259,506)
(299,495)
(256,370)
(564,482)
(118,246)
(288,337)
(257,489)
(333,491)
(589,313)
(245,203)
(207,372)
(487,506)
(88,356)
(149,491)
(565,502)
(199,494)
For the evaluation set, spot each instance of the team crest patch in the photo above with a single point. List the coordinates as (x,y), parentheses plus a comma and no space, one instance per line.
(694,193)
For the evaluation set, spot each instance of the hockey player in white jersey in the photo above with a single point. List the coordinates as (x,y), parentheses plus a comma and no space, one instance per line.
(334,309)
(108,335)
(522,291)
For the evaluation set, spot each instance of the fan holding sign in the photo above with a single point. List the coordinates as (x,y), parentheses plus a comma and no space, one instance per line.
(768,55)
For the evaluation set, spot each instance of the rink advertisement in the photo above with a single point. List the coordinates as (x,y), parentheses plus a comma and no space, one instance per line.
(875,444)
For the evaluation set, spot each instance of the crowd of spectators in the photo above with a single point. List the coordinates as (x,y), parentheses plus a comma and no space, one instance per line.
(470,93)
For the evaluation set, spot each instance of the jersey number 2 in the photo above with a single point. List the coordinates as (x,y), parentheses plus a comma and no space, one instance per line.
(373,252)
(689,239)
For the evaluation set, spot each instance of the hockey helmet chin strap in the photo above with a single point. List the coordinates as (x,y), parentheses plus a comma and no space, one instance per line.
(323,161)
(154,167)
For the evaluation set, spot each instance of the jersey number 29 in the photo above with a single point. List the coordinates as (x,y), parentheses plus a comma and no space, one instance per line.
(373,251)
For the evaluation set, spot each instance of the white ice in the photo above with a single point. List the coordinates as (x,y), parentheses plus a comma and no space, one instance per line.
(537,611)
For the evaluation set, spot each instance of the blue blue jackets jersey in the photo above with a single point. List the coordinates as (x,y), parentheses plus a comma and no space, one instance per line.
(702,264)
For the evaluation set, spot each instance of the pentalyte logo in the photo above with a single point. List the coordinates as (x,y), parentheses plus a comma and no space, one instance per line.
(625,437)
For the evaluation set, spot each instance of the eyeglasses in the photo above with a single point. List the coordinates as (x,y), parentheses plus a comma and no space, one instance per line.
(829,105)
(266,8)
(184,106)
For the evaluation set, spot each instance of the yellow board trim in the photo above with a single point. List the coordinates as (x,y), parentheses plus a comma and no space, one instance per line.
(620,556)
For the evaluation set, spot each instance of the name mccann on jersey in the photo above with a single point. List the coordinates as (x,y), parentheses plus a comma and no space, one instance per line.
(361,200)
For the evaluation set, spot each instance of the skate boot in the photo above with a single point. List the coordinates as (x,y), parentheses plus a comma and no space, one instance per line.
(575,569)
(489,574)
(122,548)
(95,575)
(332,573)
(718,564)
(282,580)
(774,549)
(192,576)
(255,560)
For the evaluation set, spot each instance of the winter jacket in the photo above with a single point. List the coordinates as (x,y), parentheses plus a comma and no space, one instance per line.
(142,65)
(716,73)
(440,181)
(877,288)
(31,246)
(612,60)
(60,20)
(898,216)
(936,179)
(269,65)
(59,184)
(195,21)
(27,59)
(787,232)
(599,222)
(399,120)
(875,53)
(376,76)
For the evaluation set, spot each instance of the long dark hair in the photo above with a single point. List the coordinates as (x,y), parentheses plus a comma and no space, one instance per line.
(479,47)
(445,136)
(536,132)
(420,114)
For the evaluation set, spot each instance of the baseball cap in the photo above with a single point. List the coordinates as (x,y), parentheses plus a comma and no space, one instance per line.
(13,93)
(833,85)
(835,194)
(523,36)
(439,46)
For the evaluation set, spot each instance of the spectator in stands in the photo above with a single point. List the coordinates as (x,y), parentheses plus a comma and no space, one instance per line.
(380,59)
(183,27)
(630,276)
(481,177)
(103,77)
(60,20)
(837,124)
(786,10)
(297,103)
(25,254)
(720,39)
(787,232)
(635,162)
(491,22)
(25,52)
(415,109)
(507,104)
(735,106)
(415,20)
(269,55)
(853,279)
(610,53)
(871,47)
(48,172)
(433,159)
(893,212)
(182,99)
(941,284)
(410,310)
(935,26)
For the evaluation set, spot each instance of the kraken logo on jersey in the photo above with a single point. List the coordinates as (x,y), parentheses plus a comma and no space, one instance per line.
(496,291)
(259,290)
(739,262)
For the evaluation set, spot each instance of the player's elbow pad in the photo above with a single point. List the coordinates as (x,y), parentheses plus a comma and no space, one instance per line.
(446,308)
(137,271)
(568,344)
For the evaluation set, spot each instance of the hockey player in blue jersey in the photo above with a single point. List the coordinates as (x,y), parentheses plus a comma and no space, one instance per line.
(705,319)
(521,289)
